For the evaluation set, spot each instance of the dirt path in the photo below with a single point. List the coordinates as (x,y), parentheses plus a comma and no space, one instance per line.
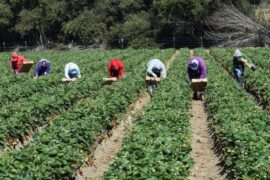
(206,161)
(191,53)
(105,152)
(170,61)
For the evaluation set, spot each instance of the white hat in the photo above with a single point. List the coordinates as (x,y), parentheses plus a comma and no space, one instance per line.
(237,53)
(194,64)
(46,60)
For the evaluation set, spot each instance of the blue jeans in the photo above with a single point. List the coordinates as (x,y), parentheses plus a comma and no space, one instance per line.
(238,73)
(239,77)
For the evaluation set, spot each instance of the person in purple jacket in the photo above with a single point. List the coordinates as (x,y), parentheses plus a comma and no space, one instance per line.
(196,68)
(43,68)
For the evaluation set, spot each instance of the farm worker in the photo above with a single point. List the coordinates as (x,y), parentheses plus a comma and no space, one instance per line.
(43,68)
(196,68)
(239,62)
(72,71)
(116,68)
(16,62)
(155,68)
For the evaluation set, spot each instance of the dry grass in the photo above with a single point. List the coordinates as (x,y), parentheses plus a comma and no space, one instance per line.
(263,13)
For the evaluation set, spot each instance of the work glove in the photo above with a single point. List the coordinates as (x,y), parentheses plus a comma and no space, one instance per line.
(253,67)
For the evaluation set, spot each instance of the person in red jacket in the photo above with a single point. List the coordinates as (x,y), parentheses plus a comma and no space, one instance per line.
(116,68)
(16,62)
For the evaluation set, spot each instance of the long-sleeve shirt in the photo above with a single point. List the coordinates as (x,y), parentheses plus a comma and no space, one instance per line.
(69,67)
(40,70)
(16,62)
(116,68)
(201,72)
(156,65)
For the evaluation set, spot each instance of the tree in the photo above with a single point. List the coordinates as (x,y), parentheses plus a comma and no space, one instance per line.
(87,28)
(5,15)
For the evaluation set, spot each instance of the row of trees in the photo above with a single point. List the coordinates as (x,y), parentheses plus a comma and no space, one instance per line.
(104,21)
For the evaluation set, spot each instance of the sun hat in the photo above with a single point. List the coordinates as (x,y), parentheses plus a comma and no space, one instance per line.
(194,64)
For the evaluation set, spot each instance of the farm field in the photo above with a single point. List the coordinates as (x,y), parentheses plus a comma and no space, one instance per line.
(50,130)
(257,82)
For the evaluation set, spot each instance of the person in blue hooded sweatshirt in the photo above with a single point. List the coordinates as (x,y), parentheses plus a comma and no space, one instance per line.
(43,68)
(72,71)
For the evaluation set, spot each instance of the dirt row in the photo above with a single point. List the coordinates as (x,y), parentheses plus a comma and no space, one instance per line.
(206,160)
(107,150)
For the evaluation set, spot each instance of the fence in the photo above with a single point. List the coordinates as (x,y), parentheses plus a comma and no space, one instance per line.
(167,42)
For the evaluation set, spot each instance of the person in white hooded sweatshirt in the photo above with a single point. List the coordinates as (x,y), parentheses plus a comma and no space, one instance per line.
(155,68)
(72,71)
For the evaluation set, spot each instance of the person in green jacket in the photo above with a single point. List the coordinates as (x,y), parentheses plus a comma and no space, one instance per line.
(240,60)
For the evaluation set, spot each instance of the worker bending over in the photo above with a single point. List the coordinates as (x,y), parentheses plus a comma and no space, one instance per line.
(196,70)
(43,68)
(16,62)
(116,68)
(72,71)
(239,62)
(156,69)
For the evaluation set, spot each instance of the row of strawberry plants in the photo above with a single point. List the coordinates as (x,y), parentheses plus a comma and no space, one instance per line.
(158,147)
(241,128)
(260,56)
(257,82)
(47,89)
(13,91)
(61,149)
(29,116)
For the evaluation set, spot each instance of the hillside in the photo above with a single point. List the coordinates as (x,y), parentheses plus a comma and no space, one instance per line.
(140,23)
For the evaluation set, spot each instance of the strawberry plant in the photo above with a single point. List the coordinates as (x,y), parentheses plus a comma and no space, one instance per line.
(159,145)
(60,149)
(23,117)
(256,82)
(241,129)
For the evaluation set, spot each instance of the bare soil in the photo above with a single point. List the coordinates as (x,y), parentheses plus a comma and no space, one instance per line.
(105,153)
(191,53)
(170,61)
(206,161)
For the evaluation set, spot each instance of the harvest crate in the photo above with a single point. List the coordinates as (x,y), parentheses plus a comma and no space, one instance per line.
(26,66)
(198,84)
(109,80)
(65,80)
(152,80)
